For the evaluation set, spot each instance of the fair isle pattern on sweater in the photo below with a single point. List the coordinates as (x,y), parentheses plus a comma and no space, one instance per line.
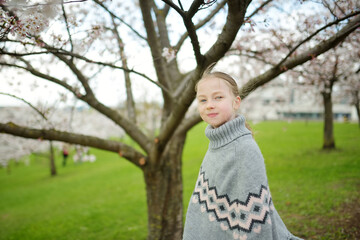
(236,214)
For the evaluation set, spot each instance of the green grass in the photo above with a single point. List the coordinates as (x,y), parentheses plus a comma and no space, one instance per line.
(106,199)
(100,200)
(309,185)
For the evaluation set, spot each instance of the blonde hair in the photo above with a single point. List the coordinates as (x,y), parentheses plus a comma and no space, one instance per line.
(224,76)
(228,79)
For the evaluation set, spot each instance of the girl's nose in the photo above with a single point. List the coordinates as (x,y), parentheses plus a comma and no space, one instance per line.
(210,105)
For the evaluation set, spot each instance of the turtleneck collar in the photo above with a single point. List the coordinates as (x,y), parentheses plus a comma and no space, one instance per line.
(227,132)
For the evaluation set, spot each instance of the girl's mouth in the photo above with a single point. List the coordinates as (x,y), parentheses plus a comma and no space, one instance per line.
(211,115)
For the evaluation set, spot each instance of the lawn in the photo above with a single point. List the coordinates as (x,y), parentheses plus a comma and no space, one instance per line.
(106,199)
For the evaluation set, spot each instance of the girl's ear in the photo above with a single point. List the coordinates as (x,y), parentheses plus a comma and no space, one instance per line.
(236,103)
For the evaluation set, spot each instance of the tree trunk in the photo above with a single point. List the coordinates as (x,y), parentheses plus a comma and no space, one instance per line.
(52,160)
(329,142)
(357,105)
(164,194)
(358,113)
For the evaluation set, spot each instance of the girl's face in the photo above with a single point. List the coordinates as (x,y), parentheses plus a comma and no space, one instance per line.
(216,103)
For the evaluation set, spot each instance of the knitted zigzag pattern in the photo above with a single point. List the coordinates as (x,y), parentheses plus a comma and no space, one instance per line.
(236,214)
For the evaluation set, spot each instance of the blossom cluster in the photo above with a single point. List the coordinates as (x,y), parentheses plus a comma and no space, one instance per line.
(31,25)
(169,54)
(25,21)
(8,23)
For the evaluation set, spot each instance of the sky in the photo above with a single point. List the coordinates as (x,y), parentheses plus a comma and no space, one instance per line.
(111,91)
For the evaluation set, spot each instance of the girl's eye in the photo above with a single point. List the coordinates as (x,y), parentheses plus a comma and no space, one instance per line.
(202,100)
(218,97)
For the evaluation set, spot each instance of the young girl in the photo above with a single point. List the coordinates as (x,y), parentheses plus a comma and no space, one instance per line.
(231,199)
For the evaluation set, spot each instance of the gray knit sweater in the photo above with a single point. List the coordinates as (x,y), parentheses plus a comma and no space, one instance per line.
(232,198)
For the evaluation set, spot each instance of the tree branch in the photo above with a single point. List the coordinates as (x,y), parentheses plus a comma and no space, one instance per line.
(166,10)
(66,53)
(188,123)
(171,70)
(258,9)
(155,46)
(234,21)
(175,7)
(315,33)
(90,99)
(130,103)
(67,26)
(194,8)
(30,69)
(200,24)
(42,4)
(189,25)
(81,77)
(180,109)
(118,18)
(301,58)
(233,52)
(180,4)
(26,102)
(50,134)
(128,126)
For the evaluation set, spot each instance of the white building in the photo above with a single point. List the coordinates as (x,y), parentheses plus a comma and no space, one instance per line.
(283,103)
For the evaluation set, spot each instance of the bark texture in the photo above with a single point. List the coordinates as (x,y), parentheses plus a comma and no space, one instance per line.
(329,141)
(165,193)
(52,160)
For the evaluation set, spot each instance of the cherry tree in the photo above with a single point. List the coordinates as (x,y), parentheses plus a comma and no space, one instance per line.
(51,116)
(322,71)
(353,88)
(331,68)
(349,82)
(336,67)
(70,46)
(16,149)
